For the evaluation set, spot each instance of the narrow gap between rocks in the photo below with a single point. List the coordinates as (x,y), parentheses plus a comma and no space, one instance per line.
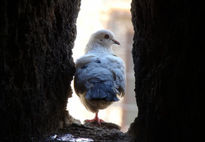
(116,17)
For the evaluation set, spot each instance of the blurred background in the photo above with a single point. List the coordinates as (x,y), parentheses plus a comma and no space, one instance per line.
(113,15)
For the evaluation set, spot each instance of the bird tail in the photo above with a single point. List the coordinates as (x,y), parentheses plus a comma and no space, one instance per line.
(105,90)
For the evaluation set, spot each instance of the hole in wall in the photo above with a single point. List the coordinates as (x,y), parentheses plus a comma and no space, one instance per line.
(115,16)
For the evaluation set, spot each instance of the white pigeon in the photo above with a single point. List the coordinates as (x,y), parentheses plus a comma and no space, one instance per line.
(100,75)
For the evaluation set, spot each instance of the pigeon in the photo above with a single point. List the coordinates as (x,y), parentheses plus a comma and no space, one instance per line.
(100,75)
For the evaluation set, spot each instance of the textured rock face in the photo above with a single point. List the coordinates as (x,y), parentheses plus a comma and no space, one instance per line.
(168,70)
(36,39)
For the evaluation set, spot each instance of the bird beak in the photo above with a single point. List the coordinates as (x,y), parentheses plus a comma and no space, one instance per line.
(115,42)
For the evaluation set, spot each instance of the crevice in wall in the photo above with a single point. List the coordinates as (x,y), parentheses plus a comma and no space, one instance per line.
(116,17)
(36,40)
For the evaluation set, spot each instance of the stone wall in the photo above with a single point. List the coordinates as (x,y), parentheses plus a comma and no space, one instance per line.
(36,39)
(168,70)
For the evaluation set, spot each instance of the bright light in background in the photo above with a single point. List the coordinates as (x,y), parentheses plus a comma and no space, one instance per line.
(114,15)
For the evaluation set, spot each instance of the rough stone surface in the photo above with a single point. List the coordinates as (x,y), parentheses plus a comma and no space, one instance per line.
(106,132)
(36,40)
(168,70)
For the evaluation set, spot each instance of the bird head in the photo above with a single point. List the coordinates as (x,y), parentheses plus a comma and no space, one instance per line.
(105,38)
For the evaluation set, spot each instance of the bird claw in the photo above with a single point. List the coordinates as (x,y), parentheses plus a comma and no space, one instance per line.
(96,120)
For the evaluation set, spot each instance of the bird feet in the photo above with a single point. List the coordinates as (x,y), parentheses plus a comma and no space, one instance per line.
(99,121)
(96,119)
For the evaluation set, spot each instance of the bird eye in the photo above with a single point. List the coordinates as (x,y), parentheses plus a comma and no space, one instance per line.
(106,36)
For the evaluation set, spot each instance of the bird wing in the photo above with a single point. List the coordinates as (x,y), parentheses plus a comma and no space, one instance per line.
(84,60)
(100,77)
(116,65)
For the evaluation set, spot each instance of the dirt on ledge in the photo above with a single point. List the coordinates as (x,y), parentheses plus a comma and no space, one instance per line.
(89,132)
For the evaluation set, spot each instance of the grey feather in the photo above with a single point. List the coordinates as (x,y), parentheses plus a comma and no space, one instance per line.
(99,77)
